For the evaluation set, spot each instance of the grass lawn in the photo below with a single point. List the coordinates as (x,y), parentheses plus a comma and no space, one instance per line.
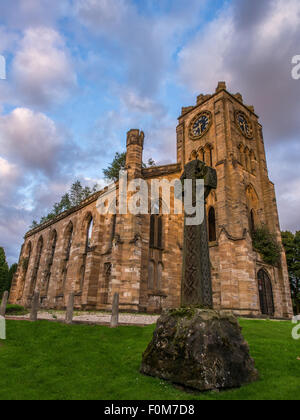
(46,360)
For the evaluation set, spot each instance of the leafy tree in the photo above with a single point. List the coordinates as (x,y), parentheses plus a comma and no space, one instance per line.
(73,198)
(3,272)
(119,164)
(291,244)
(266,244)
(11,273)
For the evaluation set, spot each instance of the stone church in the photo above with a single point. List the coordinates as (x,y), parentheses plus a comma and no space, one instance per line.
(140,257)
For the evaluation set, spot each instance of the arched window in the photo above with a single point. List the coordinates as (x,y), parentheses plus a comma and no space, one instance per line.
(89,234)
(36,265)
(265,293)
(53,241)
(252,221)
(69,240)
(156,232)
(212,233)
(211,156)
(151,275)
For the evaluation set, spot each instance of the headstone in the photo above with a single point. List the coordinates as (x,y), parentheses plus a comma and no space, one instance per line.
(35,307)
(194,345)
(115,312)
(4,304)
(2,328)
(196,284)
(70,309)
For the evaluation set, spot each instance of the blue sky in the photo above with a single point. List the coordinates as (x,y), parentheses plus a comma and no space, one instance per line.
(81,74)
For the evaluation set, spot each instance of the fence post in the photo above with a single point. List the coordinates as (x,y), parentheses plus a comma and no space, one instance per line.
(70,309)
(35,307)
(115,312)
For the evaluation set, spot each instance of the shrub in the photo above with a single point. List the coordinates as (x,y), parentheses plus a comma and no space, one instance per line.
(15,310)
(265,243)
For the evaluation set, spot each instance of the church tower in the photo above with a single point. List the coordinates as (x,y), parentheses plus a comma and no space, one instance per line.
(225,133)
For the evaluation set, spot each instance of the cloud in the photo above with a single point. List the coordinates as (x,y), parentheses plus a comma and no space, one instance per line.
(42,71)
(31,140)
(29,13)
(143,43)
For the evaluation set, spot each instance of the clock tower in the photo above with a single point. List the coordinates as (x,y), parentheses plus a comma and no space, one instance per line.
(226,134)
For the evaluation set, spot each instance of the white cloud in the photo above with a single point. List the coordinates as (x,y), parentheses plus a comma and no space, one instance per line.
(42,70)
(30,139)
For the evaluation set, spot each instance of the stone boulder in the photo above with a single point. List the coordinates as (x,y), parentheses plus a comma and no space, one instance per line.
(200,349)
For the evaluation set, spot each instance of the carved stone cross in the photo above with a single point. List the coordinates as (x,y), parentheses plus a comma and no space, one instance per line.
(196,282)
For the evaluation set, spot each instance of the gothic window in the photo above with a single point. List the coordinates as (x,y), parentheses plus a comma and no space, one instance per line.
(156,232)
(69,240)
(36,265)
(113,229)
(212,225)
(211,156)
(53,242)
(265,293)
(159,233)
(252,221)
(151,275)
(89,233)
(152,230)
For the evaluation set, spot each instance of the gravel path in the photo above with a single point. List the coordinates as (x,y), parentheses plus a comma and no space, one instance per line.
(97,318)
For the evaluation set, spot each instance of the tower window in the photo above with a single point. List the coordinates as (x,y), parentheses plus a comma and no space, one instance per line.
(156,232)
(212,225)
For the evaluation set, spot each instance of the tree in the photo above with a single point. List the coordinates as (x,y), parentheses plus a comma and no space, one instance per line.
(3,273)
(11,273)
(291,244)
(73,198)
(119,164)
(266,244)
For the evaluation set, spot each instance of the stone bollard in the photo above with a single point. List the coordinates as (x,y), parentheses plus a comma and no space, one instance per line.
(35,307)
(3,304)
(70,309)
(115,312)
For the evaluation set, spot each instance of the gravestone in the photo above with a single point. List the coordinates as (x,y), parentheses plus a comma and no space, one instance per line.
(35,307)
(4,304)
(115,312)
(194,345)
(70,309)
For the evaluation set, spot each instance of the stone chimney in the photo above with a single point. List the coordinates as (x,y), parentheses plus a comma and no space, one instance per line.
(221,86)
(134,155)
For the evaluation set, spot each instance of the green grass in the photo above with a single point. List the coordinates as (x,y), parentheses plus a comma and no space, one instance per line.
(46,360)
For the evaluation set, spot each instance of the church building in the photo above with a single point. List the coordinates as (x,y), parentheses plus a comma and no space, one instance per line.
(140,256)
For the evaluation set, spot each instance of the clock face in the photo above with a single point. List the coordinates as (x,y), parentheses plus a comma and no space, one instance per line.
(200,125)
(244,124)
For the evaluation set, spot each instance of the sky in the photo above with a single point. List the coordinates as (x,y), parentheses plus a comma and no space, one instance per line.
(81,73)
